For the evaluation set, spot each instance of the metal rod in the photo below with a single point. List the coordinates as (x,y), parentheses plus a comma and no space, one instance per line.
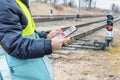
(79,8)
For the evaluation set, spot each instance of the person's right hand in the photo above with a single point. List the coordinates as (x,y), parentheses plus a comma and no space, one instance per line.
(57,43)
(54,33)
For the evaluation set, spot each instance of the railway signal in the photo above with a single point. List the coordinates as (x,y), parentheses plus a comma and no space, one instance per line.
(51,13)
(78,15)
(109,34)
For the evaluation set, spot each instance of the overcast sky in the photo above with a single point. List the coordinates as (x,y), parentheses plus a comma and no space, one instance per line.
(107,3)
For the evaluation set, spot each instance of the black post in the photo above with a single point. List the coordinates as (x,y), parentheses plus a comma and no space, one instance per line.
(109,30)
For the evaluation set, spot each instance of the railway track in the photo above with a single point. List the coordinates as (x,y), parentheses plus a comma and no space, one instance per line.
(47,26)
(46,18)
(82,31)
(89,26)
(79,41)
(86,30)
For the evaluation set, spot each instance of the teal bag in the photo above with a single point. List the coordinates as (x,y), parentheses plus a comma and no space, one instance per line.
(30,69)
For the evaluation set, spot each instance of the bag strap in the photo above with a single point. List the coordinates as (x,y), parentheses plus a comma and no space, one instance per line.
(5,72)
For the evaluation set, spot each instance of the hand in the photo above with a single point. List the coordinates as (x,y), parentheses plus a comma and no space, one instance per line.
(54,33)
(57,43)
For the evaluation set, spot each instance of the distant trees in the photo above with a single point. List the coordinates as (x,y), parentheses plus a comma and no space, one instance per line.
(71,3)
(89,4)
(39,0)
(115,8)
(65,2)
(47,1)
(55,1)
(94,4)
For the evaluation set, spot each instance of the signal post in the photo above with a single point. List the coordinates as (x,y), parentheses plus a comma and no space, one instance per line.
(109,33)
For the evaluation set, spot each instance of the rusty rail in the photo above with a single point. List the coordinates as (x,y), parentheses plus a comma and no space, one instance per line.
(91,31)
(45,18)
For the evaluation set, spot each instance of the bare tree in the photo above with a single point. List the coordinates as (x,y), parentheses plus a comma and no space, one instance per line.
(44,1)
(71,3)
(94,4)
(55,1)
(113,7)
(65,2)
(90,4)
(50,1)
(39,1)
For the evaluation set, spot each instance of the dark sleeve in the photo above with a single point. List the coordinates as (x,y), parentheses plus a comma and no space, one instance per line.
(12,41)
(42,34)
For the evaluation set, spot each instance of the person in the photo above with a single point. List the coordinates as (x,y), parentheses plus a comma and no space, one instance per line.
(25,50)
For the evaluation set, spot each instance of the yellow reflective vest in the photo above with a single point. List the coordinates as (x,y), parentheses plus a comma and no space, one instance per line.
(30,28)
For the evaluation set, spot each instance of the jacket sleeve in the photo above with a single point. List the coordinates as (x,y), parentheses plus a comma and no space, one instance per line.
(42,34)
(12,41)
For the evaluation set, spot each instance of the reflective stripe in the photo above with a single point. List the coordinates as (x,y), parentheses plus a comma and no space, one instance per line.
(2,52)
(48,64)
(30,28)
(49,67)
(4,69)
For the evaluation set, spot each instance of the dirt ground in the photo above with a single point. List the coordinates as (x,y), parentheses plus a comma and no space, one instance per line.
(86,64)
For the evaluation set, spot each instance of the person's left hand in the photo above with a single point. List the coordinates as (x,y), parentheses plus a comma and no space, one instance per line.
(54,33)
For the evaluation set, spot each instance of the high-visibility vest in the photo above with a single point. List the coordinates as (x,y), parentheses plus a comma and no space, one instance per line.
(30,27)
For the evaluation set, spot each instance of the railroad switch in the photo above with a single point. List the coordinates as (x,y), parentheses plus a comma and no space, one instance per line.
(100,44)
(96,45)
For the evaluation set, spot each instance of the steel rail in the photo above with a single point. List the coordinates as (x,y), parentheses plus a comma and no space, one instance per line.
(74,46)
(81,35)
(92,30)
(47,18)
(81,25)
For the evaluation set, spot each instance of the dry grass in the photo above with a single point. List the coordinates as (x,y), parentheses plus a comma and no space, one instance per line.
(44,9)
(116,48)
(57,7)
(84,64)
